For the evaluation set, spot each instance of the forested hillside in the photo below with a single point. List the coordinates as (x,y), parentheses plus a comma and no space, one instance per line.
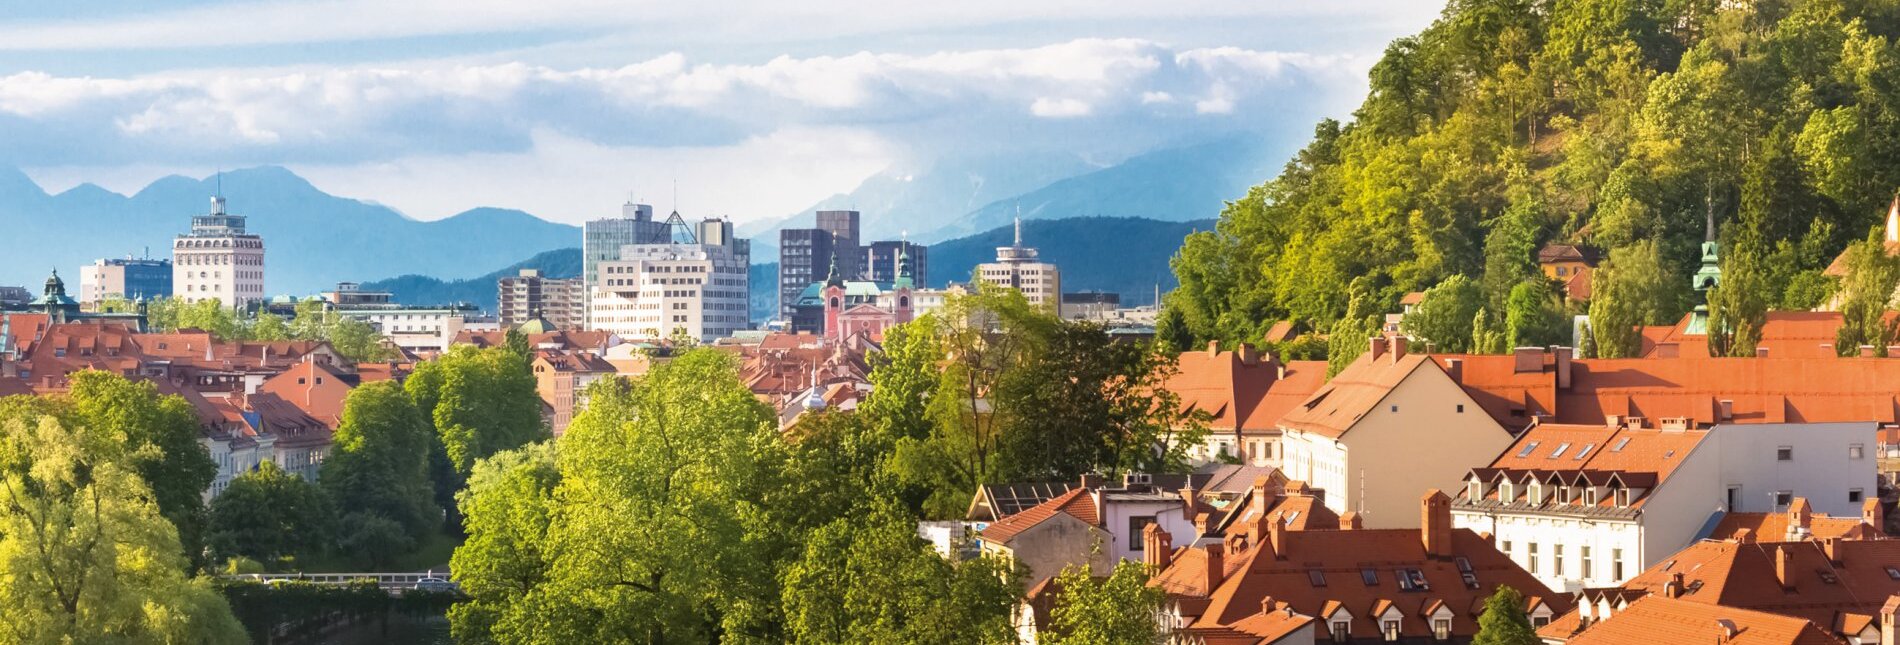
(1623,124)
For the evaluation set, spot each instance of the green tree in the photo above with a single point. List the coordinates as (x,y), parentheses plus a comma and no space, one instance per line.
(870,578)
(85,556)
(1443,317)
(272,516)
(1119,609)
(1866,294)
(269,327)
(655,529)
(1633,289)
(507,510)
(482,401)
(1534,315)
(1504,621)
(378,469)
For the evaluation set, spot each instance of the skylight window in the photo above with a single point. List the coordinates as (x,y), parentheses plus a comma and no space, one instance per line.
(1464,564)
(1559,452)
(1893,572)
(1620,443)
(1370,577)
(1317,577)
(1585,451)
(1528,449)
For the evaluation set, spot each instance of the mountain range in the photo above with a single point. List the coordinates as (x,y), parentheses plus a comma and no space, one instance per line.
(312,239)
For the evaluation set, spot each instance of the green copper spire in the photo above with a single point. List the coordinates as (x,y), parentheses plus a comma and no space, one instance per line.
(1706,278)
(832,279)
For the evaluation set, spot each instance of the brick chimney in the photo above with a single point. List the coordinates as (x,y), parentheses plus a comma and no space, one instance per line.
(1745,536)
(1800,519)
(1378,347)
(1214,567)
(1213,348)
(1435,527)
(1263,494)
(1266,604)
(1092,481)
(1673,588)
(1527,359)
(1455,368)
(1248,355)
(1157,547)
(1784,567)
(1874,515)
(1563,355)
(1832,547)
(1398,347)
(1350,521)
(1761,352)
(1888,624)
(1277,534)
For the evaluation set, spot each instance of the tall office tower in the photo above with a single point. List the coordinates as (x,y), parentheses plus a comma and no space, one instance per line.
(697,285)
(562,301)
(217,259)
(880,261)
(602,239)
(1018,267)
(843,227)
(132,279)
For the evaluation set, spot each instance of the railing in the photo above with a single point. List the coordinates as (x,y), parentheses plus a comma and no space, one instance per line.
(385,581)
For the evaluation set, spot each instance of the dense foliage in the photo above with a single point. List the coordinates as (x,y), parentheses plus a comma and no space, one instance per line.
(1118,609)
(377,474)
(355,339)
(86,552)
(1633,126)
(1503,621)
(269,515)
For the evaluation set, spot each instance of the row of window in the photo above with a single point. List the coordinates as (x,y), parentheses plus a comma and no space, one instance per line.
(1533,562)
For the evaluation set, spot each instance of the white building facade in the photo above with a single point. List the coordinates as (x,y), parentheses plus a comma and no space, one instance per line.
(417,329)
(657,290)
(1019,267)
(218,259)
(1593,507)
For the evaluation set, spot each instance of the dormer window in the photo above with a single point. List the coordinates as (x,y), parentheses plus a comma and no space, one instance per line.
(1441,628)
(1474,490)
(1590,496)
(1622,497)
(1342,631)
(1505,494)
(1390,627)
(1537,494)
(1563,494)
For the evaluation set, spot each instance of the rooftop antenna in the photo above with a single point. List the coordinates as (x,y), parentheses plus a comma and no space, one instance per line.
(1019,224)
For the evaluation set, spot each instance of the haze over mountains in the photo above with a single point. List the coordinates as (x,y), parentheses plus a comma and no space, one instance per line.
(315,239)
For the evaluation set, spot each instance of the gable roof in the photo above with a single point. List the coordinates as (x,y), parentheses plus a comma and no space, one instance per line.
(1339,404)
(1242,394)
(1635,458)
(1077,503)
(1785,334)
(1654,619)
(316,388)
(993,502)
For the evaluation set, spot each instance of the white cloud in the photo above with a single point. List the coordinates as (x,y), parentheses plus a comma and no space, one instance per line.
(1059,108)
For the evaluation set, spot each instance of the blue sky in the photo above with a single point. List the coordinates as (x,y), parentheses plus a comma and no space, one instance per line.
(565,108)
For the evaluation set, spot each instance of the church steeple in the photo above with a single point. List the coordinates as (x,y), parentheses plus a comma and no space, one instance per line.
(1706,278)
(831,278)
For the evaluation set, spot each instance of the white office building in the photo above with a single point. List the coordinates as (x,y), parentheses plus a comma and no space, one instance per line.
(217,259)
(698,287)
(1018,267)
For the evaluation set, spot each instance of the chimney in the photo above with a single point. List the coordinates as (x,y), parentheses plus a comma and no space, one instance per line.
(1784,567)
(1435,527)
(1378,347)
(1248,355)
(1215,569)
(1200,525)
(1398,347)
(1745,536)
(1866,351)
(1350,521)
(1277,533)
(1874,515)
(1262,499)
(1213,348)
(1726,410)
(1889,625)
(1527,359)
(1800,518)
(1761,352)
(1091,481)
(1832,547)
(1266,604)
(1157,547)
(1455,368)
(1893,350)
(1673,588)
(1563,366)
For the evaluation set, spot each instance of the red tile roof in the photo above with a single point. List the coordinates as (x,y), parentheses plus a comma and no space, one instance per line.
(1339,404)
(1078,503)
(1242,397)
(1654,619)
(315,388)
(1785,334)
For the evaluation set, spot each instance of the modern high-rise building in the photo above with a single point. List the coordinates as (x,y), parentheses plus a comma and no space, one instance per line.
(217,259)
(562,301)
(879,262)
(602,239)
(807,254)
(698,285)
(1019,268)
(132,279)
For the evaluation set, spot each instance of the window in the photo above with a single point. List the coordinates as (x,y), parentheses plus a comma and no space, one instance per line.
(1506,548)
(1784,453)
(1441,628)
(1559,452)
(1620,443)
(1370,576)
(1531,560)
(1342,630)
(1856,451)
(1584,568)
(1782,499)
(1538,622)
(1526,452)
(1135,525)
(1395,408)
(1585,451)
(1854,495)
(1474,490)
(1622,498)
(1616,565)
(1391,629)
(1589,496)
(1317,577)
(1557,559)
(1893,572)
(1461,408)
(1734,497)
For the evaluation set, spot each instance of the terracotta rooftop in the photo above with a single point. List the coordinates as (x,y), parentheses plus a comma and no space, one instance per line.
(1335,407)
(1794,524)
(1245,391)
(1654,619)
(1077,503)
(1784,334)
(1567,253)
(317,389)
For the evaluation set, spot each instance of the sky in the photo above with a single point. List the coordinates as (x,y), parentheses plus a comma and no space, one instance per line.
(566,108)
